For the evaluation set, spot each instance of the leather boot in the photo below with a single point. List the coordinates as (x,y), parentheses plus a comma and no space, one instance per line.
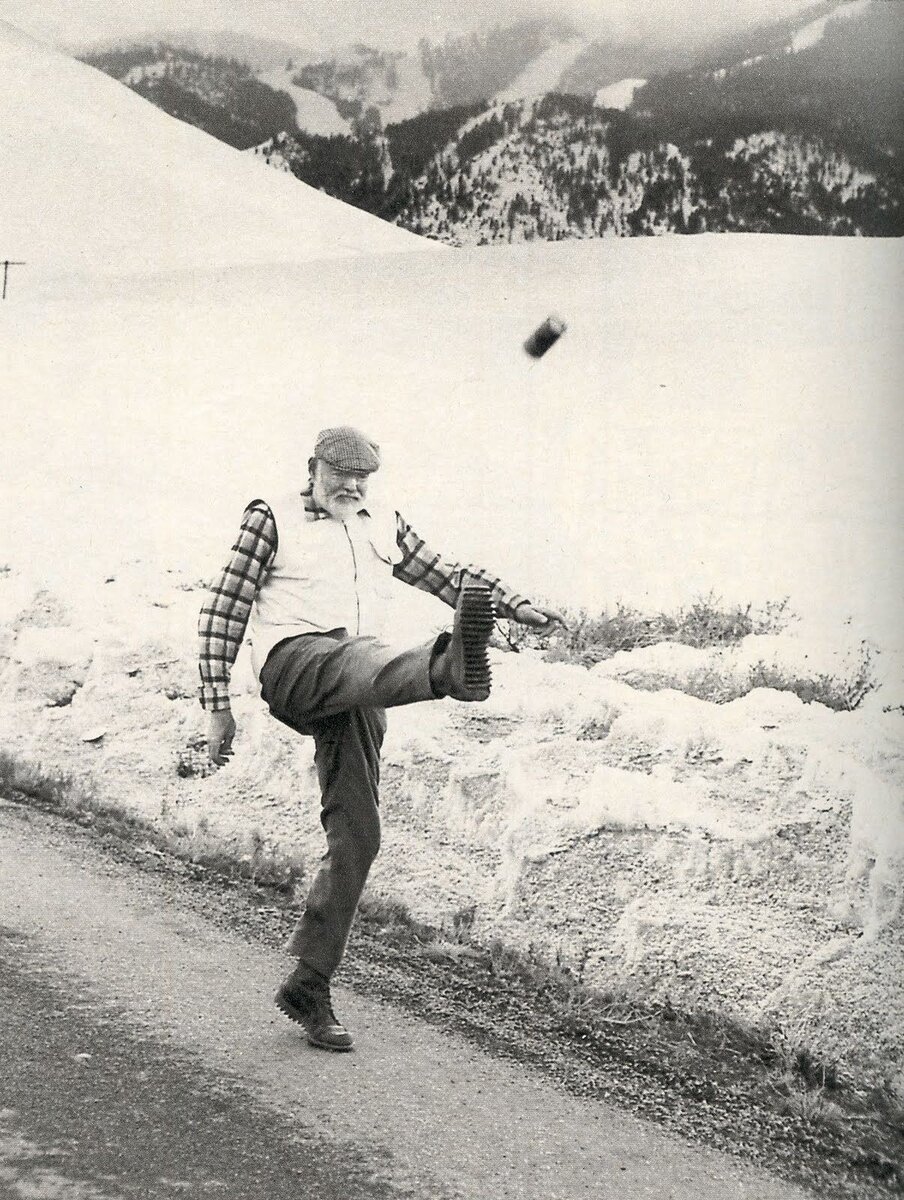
(305,998)
(460,667)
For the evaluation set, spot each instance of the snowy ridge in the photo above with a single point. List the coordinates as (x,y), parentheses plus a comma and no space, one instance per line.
(775,155)
(271,155)
(364,78)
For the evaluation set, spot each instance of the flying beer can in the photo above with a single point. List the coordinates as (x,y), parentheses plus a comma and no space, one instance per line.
(545,336)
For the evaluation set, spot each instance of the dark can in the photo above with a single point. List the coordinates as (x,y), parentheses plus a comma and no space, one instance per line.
(545,336)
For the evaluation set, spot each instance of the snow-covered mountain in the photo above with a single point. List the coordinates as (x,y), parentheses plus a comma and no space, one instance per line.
(385,86)
(531,58)
(561,167)
(544,73)
(793,126)
(115,185)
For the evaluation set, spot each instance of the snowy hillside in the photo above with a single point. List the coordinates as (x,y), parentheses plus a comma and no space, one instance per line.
(813,32)
(794,36)
(840,70)
(162,195)
(721,414)
(792,130)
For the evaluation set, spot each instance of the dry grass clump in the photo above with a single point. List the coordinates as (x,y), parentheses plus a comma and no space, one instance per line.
(842,693)
(247,857)
(708,621)
(28,779)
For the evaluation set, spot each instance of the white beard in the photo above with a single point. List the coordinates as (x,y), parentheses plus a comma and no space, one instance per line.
(342,509)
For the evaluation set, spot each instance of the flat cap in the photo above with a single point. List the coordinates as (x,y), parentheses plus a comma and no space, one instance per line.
(347,449)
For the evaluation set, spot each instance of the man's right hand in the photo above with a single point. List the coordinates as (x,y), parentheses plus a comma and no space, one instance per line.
(220,732)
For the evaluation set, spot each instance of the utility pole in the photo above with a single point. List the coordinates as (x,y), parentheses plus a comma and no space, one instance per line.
(7,263)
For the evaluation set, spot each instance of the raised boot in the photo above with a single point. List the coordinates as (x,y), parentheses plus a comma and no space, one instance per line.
(305,998)
(461,665)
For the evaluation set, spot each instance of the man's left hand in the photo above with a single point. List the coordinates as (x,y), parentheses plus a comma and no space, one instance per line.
(539,618)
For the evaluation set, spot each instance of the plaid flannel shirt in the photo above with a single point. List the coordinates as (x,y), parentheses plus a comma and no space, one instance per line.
(225,613)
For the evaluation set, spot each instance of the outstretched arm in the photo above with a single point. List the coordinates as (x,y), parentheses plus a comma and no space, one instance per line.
(224,618)
(423,568)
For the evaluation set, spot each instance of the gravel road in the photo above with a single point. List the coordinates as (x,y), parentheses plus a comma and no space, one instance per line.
(143,1056)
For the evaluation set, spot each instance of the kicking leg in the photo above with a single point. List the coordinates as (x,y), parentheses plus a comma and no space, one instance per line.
(314,676)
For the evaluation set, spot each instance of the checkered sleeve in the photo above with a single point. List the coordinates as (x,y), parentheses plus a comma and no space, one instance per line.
(422,568)
(224,615)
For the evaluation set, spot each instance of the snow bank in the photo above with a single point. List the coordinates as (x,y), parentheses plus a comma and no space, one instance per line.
(747,856)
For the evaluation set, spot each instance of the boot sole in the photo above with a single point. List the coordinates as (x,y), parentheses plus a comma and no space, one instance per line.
(476,624)
(294,1014)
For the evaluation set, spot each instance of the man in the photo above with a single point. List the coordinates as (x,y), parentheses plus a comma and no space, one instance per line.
(312,571)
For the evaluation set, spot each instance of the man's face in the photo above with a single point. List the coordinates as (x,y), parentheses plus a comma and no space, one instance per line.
(341,493)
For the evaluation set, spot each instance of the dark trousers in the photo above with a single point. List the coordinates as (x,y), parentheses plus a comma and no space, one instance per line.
(336,689)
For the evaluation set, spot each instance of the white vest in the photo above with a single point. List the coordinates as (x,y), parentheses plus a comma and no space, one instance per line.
(327,574)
